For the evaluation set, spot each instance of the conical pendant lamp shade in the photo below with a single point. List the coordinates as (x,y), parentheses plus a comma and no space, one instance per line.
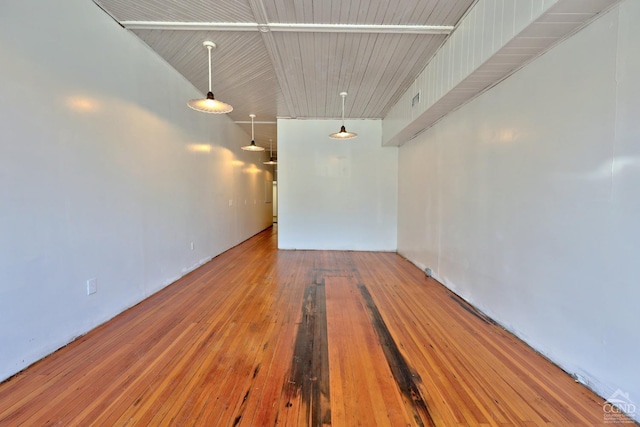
(209,104)
(343,134)
(252,146)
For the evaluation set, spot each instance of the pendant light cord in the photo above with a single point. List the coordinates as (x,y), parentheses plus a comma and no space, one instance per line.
(252,138)
(343,110)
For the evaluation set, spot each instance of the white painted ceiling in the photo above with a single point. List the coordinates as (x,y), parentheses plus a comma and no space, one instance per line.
(271,71)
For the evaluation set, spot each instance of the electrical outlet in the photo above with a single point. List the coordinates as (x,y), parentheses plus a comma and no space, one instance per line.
(92,286)
(192,246)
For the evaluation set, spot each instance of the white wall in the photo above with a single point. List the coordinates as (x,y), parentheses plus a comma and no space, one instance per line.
(336,194)
(526,202)
(104,173)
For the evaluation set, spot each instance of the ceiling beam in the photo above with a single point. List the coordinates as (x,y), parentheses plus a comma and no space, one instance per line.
(284,27)
(243,122)
(260,15)
(361,28)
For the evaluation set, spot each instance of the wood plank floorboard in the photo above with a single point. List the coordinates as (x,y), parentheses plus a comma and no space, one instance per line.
(262,337)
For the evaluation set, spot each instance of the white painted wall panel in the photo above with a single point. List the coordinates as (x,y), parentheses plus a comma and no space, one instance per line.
(336,194)
(104,173)
(508,11)
(487,30)
(522,15)
(525,201)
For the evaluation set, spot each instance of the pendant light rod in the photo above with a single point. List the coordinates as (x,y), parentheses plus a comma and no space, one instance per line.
(209,104)
(210,46)
(252,146)
(271,160)
(343,134)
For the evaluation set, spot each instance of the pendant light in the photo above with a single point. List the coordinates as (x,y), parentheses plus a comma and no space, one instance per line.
(210,104)
(271,158)
(252,146)
(343,134)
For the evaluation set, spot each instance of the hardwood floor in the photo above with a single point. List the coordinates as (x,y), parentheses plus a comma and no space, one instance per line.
(259,337)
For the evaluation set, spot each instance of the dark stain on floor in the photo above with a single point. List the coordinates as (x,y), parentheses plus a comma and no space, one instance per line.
(471,309)
(309,374)
(401,371)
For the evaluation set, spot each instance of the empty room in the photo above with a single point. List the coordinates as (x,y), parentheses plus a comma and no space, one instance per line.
(312,213)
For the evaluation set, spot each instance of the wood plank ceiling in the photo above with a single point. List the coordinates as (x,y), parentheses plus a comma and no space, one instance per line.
(272,70)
